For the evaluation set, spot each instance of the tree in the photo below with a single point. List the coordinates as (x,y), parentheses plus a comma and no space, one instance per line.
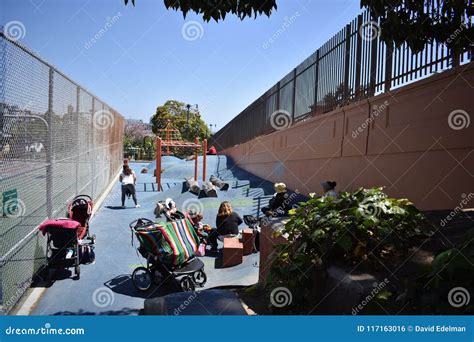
(176,113)
(218,9)
(422,21)
(134,135)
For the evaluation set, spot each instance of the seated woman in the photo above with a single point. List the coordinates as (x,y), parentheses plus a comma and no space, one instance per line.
(329,188)
(279,204)
(227,223)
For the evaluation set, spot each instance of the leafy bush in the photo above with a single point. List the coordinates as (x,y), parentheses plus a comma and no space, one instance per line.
(351,227)
(454,266)
(447,282)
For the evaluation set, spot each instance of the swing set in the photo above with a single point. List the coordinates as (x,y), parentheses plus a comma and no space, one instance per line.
(171,137)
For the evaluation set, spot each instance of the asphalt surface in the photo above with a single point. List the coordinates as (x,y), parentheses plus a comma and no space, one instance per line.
(105,287)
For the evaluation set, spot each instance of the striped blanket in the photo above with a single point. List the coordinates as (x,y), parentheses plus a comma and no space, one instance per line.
(174,242)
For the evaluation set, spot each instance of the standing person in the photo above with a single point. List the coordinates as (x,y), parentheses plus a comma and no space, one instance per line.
(128,179)
(227,223)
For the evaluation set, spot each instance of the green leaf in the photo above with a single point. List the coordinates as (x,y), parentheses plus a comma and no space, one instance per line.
(384,294)
(345,242)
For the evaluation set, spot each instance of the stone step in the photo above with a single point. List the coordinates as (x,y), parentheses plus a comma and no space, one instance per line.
(207,302)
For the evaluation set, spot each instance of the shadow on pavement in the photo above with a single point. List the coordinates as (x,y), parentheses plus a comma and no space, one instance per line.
(122,312)
(123,285)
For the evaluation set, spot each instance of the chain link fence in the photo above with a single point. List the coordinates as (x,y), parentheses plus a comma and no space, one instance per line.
(57,140)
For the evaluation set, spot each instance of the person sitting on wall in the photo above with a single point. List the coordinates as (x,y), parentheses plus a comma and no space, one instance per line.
(212,151)
(329,188)
(279,204)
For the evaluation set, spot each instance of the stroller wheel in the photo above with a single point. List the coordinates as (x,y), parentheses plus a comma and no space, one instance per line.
(200,278)
(157,276)
(187,284)
(142,279)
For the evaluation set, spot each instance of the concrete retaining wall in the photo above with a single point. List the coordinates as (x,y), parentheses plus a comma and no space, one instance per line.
(405,140)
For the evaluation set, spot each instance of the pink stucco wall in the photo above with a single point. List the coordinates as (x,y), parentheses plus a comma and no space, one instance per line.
(403,140)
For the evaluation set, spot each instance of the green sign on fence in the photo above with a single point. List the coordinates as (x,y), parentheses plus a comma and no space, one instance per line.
(9,202)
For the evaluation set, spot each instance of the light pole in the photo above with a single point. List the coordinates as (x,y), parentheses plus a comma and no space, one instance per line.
(197,123)
(210,129)
(188,106)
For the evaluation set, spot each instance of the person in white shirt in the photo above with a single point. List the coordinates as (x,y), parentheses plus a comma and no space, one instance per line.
(128,179)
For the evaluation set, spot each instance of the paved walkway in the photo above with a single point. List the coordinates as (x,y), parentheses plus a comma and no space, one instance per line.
(105,287)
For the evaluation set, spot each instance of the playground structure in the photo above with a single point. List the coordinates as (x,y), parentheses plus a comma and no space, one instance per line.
(172,138)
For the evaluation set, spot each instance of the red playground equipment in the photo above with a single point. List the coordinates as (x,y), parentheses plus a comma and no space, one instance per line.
(170,137)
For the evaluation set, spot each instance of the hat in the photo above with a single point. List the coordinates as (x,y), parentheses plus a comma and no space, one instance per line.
(328,185)
(279,187)
(170,204)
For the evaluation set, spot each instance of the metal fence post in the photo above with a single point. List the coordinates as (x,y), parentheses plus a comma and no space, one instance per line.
(92,149)
(316,83)
(346,63)
(455,57)
(278,96)
(49,147)
(103,150)
(294,96)
(76,122)
(358,57)
(388,67)
(373,66)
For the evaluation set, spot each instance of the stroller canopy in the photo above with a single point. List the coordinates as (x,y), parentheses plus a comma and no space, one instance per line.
(174,242)
(59,224)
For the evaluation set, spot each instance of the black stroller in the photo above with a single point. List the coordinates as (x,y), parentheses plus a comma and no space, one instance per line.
(169,249)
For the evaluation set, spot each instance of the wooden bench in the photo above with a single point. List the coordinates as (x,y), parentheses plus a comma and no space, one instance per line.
(248,241)
(233,252)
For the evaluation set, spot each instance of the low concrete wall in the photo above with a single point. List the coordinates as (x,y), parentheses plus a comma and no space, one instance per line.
(267,242)
(336,291)
(405,140)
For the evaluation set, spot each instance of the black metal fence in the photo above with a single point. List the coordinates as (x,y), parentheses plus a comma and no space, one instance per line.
(57,140)
(352,65)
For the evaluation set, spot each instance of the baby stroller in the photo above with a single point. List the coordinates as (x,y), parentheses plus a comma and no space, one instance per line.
(80,210)
(253,223)
(66,246)
(169,249)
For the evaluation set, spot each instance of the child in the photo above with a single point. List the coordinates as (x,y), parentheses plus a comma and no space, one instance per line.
(201,229)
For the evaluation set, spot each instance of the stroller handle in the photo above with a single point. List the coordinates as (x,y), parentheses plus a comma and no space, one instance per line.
(140,222)
(82,196)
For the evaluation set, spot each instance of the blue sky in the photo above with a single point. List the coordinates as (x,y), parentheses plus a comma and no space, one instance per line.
(148,54)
